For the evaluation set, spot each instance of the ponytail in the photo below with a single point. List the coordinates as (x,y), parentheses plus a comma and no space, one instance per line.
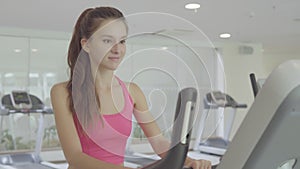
(88,23)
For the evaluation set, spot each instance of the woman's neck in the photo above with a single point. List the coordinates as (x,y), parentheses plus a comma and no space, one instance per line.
(105,79)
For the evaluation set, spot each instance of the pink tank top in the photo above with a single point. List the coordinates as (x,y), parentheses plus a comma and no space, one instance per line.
(112,137)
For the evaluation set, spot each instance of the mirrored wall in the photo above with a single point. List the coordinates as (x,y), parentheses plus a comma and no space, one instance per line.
(34,65)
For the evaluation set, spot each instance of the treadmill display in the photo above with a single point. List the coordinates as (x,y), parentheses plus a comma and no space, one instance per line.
(21,100)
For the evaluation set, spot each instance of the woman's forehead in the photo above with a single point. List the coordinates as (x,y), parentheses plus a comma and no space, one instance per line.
(113,28)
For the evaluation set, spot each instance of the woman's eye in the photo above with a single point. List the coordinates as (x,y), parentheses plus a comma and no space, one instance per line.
(107,41)
(123,41)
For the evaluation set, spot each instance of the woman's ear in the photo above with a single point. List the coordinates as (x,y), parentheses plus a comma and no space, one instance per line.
(84,44)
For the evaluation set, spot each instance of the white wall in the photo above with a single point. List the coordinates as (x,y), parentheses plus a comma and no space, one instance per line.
(272,60)
(238,67)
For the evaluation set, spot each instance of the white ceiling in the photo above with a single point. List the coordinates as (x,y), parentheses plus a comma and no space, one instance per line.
(274,23)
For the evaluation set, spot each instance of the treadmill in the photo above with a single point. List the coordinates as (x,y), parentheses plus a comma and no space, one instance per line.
(25,103)
(215,100)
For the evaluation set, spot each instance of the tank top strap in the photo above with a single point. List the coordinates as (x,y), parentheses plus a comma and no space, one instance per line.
(125,90)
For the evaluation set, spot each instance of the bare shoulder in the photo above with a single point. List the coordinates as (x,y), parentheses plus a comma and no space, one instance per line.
(135,92)
(59,94)
(59,88)
(133,88)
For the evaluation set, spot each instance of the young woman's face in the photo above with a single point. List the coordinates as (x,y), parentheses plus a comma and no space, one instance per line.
(107,45)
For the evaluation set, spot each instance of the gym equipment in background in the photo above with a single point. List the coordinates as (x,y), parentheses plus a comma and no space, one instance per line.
(216,145)
(255,87)
(23,102)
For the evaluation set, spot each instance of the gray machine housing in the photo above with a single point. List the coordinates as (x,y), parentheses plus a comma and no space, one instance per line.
(269,135)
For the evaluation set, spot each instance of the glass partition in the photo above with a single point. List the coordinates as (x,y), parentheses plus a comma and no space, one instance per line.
(34,65)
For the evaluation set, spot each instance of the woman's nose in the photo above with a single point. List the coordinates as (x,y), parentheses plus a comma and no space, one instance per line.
(115,48)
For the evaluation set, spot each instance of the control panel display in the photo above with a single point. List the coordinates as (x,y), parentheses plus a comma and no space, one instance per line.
(21,100)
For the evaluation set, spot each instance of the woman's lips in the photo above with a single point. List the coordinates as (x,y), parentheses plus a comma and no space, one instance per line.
(114,58)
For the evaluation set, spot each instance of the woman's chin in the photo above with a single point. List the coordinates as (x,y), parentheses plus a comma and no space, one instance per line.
(111,67)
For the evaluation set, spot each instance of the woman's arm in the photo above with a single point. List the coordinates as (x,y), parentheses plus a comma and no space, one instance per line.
(67,133)
(158,142)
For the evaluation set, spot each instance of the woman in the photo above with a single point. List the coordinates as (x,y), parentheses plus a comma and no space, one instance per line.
(93,109)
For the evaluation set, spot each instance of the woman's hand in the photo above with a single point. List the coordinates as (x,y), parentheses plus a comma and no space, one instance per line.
(198,164)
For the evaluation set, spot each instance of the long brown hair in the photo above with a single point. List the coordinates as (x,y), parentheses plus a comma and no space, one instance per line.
(88,23)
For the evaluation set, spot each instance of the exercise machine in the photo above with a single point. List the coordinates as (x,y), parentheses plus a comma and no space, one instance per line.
(182,129)
(213,101)
(183,120)
(269,134)
(23,102)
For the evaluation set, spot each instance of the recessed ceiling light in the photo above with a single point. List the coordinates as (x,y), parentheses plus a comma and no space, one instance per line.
(192,6)
(17,50)
(225,35)
(50,74)
(33,75)
(34,50)
(8,75)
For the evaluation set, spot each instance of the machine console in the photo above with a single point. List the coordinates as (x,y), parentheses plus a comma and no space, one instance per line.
(20,99)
